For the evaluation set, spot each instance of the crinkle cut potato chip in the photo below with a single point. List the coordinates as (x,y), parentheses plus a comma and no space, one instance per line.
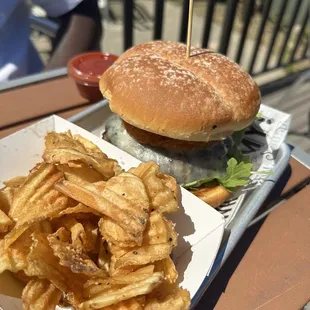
(138,275)
(83,232)
(161,190)
(6,199)
(38,183)
(65,148)
(15,182)
(42,263)
(115,234)
(113,296)
(159,230)
(141,256)
(95,285)
(36,200)
(79,231)
(167,266)
(83,173)
(62,234)
(73,257)
(15,258)
(168,296)
(124,199)
(104,257)
(92,235)
(158,242)
(5,222)
(80,208)
(136,303)
(40,294)
(78,234)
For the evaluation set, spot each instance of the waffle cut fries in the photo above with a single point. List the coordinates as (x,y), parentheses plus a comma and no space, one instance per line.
(80,231)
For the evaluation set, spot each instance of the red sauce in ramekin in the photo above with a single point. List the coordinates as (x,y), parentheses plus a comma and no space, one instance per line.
(86,70)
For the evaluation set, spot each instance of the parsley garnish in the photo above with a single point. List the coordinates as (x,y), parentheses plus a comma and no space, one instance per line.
(237,174)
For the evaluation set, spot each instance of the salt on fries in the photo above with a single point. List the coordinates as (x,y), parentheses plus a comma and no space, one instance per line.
(80,231)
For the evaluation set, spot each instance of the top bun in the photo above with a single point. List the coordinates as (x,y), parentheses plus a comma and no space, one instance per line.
(154,87)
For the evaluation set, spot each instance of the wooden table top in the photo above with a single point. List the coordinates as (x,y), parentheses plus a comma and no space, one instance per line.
(274,271)
(23,106)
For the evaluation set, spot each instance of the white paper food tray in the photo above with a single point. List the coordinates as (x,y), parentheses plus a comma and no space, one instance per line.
(239,211)
(200,227)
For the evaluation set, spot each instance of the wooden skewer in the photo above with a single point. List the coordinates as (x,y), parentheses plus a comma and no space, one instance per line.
(189,28)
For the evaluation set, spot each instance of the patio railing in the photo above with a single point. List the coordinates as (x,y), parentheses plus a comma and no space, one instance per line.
(296,15)
(289,20)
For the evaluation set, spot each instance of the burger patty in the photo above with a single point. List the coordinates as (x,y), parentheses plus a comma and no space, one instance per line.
(153,139)
(185,166)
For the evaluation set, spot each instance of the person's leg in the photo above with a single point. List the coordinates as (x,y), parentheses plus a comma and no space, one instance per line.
(87,8)
(80,31)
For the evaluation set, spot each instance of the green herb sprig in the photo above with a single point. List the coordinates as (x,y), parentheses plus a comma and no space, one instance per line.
(237,174)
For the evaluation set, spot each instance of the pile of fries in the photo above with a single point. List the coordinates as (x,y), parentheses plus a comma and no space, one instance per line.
(79,231)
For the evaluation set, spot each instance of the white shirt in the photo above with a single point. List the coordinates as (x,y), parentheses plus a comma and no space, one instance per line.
(18,56)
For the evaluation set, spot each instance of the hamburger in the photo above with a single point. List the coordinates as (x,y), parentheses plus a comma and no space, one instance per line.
(181,113)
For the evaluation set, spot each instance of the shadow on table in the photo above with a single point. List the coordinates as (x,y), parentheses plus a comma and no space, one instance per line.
(219,284)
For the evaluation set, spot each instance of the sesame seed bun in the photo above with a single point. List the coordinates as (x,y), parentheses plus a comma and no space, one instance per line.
(205,98)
